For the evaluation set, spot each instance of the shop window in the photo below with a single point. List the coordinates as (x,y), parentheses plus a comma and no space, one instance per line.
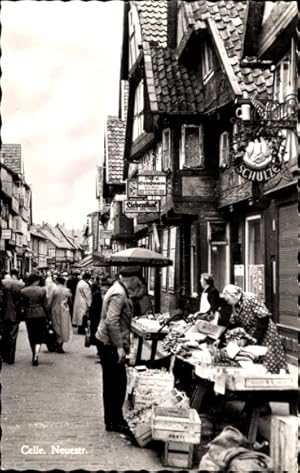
(192,147)
(138,115)
(194,276)
(172,257)
(166,149)
(164,251)
(224,150)
(207,63)
(218,252)
(254,256)
(285,76)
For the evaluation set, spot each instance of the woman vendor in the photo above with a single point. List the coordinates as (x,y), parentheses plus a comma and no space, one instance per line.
(210,299)
(252,315)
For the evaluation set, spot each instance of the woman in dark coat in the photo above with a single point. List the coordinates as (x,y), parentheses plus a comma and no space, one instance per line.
(34,299)
(209,299)
(95,309)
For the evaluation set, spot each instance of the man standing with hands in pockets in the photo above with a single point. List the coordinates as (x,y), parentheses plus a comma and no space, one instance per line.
(113,338)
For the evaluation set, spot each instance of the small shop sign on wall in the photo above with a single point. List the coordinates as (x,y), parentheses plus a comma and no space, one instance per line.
(6,234)
(153,184)
(140,206)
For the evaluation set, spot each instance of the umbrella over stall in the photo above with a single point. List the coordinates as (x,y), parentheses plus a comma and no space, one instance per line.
(142,257)
(138,256)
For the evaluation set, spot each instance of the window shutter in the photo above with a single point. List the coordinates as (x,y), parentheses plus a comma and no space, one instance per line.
(288,251)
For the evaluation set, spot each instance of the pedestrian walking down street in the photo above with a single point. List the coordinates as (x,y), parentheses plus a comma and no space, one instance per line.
(95,309)
(72,284)
(11,314)
(34,299)
(113,335)
(82,303)
(59,307)
(50,284)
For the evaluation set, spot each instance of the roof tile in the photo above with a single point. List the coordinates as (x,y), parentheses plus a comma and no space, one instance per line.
(115,140)
(230,20)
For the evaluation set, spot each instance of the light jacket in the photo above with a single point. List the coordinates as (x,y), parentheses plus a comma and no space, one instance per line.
(116,317)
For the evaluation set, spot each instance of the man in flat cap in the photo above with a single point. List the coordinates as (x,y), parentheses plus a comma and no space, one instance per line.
(113,338)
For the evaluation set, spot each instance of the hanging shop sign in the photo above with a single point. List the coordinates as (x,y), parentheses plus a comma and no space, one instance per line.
(105,234)
(132,188)
(154,184)
(259,142)
(140,206)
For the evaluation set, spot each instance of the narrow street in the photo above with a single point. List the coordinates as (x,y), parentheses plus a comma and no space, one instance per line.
(58,406)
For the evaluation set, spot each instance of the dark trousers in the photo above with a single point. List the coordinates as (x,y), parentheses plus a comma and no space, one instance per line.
(114,384)
(9,340)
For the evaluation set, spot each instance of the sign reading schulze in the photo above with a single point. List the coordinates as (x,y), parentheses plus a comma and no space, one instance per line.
(141,206)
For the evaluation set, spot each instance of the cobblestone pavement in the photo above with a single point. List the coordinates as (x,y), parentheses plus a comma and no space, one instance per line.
(57,406)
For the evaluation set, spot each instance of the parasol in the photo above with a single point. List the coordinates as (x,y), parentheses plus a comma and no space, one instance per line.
(138,256)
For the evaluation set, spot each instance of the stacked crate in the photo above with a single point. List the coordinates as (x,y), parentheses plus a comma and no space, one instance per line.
(151,387)
(180,430)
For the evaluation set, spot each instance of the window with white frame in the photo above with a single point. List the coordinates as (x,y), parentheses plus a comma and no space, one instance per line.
(164,252)
(224,150)
(134,36)
(51,252)
(207,63)
(181,23)
(193,262)
(138,115)
(254,255)
(158,157)
(285,75)
(192,147)
(172,257)
(166,149)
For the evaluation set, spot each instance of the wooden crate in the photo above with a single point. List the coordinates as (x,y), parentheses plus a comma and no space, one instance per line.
(266,382)
(284,443)
(176,425)
(164,380)
(178,454)
(143,434)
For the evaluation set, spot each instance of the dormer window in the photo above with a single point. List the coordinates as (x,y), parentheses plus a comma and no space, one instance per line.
(181,24)
(138,115)
(224,150)
(285,76)
(207,62)
(192,147)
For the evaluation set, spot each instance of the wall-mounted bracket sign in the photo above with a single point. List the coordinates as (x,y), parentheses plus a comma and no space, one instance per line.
(154,184)
(140,206)
(259,141)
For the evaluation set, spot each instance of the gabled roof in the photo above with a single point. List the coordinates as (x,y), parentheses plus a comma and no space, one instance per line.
(114,150)
(55,236)
(73,240)
(229,19)
(175,88)
(153,17)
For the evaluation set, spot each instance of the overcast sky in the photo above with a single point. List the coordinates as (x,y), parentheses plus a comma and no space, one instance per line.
(60,65)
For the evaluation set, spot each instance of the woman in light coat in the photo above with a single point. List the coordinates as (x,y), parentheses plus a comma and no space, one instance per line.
(82,302)
(60,313)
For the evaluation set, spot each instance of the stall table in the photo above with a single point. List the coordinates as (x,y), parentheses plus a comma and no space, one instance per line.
(144,334)
(250,386)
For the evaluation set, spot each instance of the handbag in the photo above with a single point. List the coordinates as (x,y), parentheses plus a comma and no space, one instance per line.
(87,338)
(51,338)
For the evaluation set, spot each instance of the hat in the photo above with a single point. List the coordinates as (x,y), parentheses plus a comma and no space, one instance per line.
(128,271)
(65,273)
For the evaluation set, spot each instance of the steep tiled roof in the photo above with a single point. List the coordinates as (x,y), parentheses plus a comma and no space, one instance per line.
(230,20)
(176,88)
(153,20)
(115,141)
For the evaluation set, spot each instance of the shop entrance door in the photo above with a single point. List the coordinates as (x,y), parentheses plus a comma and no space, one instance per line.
(218,253)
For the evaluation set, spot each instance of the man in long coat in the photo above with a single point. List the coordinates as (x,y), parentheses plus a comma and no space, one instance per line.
(82,302)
